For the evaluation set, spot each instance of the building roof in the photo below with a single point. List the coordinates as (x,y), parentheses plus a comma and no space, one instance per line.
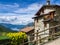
(43,15)
(44,6)
(27,29)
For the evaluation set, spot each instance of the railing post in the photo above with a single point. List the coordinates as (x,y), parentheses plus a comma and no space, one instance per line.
(28,40)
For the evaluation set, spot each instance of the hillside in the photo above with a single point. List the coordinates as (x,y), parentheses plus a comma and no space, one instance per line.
(16,27)
(13,26)
(4,29)
(30,24)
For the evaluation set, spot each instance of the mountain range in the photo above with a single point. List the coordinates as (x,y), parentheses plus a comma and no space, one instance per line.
(15,22)
(13,27)
(5,29)
(16,27)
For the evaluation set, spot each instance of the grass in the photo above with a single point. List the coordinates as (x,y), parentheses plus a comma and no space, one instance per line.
(3,37)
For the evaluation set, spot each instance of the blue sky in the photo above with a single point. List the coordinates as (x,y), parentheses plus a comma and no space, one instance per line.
(10,6)
(23,10)
(16,4)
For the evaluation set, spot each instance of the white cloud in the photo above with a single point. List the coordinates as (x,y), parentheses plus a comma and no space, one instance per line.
(15,5)
(8,7)
(58,4)
(21,16)
(15,29)
(31,9)
(16,20)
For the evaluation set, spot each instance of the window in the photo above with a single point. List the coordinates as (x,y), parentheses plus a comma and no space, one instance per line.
(46,17)
(37,34)
(45,24)
(37,19)
(37,30)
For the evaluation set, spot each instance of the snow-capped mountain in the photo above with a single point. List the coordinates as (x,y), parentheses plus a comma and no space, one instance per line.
(15,22)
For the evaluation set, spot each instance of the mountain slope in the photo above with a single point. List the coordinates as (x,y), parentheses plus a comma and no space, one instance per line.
(4,29)
(16,26)
(30,24)
(13,27)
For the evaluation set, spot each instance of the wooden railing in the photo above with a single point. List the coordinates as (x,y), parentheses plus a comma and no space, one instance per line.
(41,40)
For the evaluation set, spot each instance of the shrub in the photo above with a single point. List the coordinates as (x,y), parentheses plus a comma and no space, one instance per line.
(17,38)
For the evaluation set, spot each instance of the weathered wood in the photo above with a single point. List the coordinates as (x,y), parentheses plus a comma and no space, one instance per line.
(43,34)
(44,38)
(47,29)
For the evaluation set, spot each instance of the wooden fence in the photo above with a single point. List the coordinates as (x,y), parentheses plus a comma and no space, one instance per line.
(41,40)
